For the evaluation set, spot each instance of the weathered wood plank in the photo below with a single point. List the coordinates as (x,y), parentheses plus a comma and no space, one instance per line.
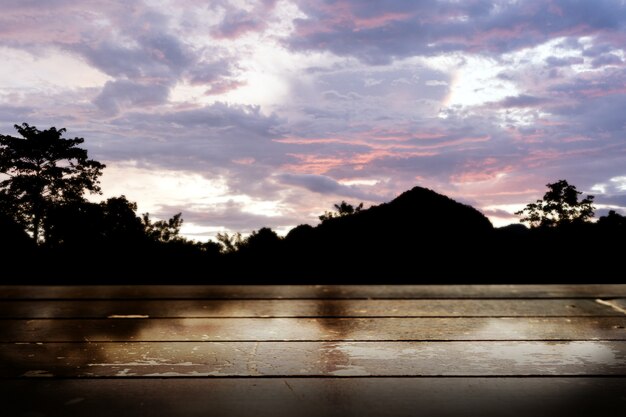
(303,308)
(312,291)
(359,397)
(618,304)
(214,359)
(285,329)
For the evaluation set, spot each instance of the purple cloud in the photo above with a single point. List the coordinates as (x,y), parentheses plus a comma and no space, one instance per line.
(379,32)
(325,185)
(484,100)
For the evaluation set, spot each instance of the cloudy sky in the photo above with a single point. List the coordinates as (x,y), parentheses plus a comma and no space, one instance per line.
(243,114)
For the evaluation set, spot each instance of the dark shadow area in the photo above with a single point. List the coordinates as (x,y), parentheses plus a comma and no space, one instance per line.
(421,237)
(277,397)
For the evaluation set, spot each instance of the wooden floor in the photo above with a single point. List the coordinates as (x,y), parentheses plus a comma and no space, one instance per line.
(313,350)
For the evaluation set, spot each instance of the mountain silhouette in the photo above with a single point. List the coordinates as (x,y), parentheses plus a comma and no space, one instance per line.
(419,232)
(420,237)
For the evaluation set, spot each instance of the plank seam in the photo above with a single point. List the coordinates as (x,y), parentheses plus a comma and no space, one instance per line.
(538,297)
(220,341)
(304,317)
(320,376)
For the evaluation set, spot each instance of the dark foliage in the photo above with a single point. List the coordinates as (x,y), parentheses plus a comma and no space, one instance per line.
(42,171)
(559,207)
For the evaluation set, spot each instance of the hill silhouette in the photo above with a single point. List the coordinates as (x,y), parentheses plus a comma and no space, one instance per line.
(411,231)
(419,237)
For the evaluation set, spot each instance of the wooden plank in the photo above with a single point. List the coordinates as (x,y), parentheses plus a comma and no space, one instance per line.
(618,304)
(303,308)
(339,359)
(285,329)
(311,291)
(359,397)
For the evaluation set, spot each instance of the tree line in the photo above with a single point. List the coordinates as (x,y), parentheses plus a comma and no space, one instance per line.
(50,231)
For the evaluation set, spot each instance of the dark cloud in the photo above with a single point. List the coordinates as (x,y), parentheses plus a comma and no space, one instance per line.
(554,61)
(209,72)
(237,22)
(215,134)
(523,100)
(325,185)
(377,32)
(134,44)
(598,48)
(606,59)
(122,93)
(613,200)
(10,115)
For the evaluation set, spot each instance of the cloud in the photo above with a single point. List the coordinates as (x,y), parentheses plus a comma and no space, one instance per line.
(121,93)
(377,32)
(522,100)
(477,99)
(15,114)
(325,185)
(607,59)
(230,216)
(436,83)
(237,23)
(503,214)
(554,61)
(209,72)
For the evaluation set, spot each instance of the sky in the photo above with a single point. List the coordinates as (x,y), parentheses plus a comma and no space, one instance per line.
(246,114)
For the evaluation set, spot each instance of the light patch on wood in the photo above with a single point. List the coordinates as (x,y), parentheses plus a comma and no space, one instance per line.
(37,373)
(125,372)
(128,316)
(74,401)
(188,374)
(158,362)
(350,370)
(612,305)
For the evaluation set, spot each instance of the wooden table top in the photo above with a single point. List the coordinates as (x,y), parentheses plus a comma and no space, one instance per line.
(313,350)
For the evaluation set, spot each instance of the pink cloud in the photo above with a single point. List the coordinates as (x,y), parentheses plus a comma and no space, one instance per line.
(244,161)
(380,20)
(224,86)
(318,164)
(482,170)
(312,164)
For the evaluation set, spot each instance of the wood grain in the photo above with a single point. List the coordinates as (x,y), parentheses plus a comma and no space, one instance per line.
(340,359)
(314,397)
(304,308)
(435,350)
(291,329)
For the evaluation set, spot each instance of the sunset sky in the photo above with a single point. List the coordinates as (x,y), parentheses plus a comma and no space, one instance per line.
(244,114)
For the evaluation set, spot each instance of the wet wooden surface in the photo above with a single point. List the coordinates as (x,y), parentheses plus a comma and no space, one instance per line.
(313,350)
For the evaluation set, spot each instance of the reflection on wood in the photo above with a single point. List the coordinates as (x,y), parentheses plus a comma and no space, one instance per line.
(289,329)
(313,350)
(214,359)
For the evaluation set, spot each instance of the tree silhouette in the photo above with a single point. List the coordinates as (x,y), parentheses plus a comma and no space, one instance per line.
(43,170)
(559,206)
(229,243)
(341,210)
(112,222)
(162,230)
